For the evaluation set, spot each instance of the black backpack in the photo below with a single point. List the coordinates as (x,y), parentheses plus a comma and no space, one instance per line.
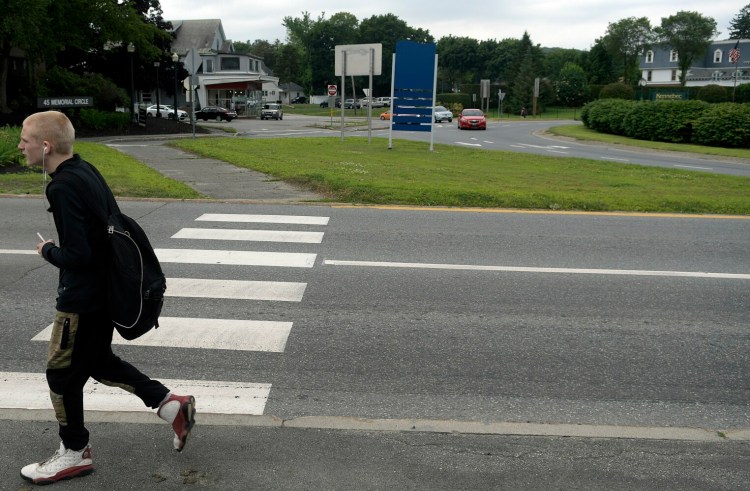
(135,281)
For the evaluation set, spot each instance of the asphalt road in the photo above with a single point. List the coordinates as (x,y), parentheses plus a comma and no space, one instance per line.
(571,339)
(526,136)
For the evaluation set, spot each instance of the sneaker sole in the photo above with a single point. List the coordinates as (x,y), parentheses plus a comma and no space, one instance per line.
(188,412)
(80,472)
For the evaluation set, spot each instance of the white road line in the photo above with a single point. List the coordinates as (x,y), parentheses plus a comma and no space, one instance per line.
(250,235)
(238,258)
(18,251)
(615,159)
(20,390)
(693,167)
(235,289)
(469,144)
(518,269)
(242,218)
(226,334)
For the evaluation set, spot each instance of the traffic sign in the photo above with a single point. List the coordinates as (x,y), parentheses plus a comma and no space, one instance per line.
(332,90)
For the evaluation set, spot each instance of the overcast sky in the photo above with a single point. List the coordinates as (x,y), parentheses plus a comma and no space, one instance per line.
(550,23)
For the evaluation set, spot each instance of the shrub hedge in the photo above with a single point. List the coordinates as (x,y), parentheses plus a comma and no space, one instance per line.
(722,125)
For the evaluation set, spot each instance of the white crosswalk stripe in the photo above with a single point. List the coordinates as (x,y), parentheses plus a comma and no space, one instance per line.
(241,218)
(250,235)
(235,289)
(20,390)
(238,258)
(227,334)
(29,390)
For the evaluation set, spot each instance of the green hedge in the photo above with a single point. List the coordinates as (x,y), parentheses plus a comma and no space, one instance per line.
(667,121)
(722,125)
(725,125)
(101,120)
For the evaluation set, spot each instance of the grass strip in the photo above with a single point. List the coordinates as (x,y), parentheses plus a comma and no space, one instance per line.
(409,174)
(125,175)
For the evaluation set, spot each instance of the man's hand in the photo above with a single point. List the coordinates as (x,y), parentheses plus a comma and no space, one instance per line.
(40,245)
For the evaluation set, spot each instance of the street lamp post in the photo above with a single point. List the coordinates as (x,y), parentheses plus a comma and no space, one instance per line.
(175,59)
(158,107)
(131,50)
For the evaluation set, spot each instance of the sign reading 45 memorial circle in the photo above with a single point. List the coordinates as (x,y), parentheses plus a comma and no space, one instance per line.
(65,101)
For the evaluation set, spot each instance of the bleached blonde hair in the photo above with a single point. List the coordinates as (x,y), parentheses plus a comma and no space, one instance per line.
(54,127)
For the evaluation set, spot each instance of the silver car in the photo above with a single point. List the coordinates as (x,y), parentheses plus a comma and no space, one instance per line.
(442,114)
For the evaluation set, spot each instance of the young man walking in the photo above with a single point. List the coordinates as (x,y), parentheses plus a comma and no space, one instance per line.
(80,346)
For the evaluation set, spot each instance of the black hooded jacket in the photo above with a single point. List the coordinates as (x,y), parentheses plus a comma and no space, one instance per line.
(80,253)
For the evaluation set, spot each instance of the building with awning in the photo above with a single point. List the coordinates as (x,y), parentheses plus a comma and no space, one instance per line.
(223,76)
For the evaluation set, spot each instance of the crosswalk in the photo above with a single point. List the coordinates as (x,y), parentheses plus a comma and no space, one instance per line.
(29,390)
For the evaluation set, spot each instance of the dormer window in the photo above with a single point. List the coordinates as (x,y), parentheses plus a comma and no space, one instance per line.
(649,56)
(673,55)
(718,55)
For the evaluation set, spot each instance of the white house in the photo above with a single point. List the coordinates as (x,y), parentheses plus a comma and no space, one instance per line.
(224,77)
(660,68)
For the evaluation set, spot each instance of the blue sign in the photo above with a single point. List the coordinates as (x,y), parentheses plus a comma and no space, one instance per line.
(413,86)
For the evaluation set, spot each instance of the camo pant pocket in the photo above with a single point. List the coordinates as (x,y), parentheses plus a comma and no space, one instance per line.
(62,341)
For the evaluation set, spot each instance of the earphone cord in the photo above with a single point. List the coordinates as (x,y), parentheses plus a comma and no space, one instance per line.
(44,188)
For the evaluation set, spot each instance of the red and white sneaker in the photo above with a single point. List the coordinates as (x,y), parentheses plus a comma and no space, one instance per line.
(180,412)
(65,464)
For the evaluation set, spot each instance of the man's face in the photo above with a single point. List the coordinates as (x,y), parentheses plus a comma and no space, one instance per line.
(31,147)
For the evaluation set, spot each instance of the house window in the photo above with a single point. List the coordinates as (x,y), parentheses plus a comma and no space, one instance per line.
(717,56)
(673,55)
(209,66)
(649,56)
(674,75)
(648,75)
(230,63)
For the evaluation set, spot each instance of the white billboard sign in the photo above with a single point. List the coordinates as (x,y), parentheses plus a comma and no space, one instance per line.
(358,59)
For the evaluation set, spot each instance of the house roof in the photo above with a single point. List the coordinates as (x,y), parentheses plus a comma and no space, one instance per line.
(200,34)
(291,87)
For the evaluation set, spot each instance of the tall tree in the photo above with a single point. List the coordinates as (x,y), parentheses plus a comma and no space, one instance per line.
(23,25)
(626,39)
(601,68)
(690,34)
(457,59)
(739,27)
(572,89)
(526,66)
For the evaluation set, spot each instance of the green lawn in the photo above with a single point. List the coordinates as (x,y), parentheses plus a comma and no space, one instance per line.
(409,174)
(125,175)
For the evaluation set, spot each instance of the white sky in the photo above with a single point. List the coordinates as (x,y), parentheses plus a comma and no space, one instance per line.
(550,23)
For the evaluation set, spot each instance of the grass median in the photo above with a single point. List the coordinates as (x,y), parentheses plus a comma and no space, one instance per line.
(409,174)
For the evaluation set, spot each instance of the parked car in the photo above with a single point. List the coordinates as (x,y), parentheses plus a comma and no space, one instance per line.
(386,115)
(325,102)
(472,119)
(300,99)
(215,113)
(385,101)
(352,104)
(166,112)
(442,114)
(272,111)
(374,102)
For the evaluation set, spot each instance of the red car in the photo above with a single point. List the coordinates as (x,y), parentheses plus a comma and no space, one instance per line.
(472,119)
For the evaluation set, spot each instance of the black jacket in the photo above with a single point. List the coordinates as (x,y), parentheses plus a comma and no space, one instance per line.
(80,253)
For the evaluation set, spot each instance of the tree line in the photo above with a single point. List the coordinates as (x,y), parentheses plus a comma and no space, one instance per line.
(70,46)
